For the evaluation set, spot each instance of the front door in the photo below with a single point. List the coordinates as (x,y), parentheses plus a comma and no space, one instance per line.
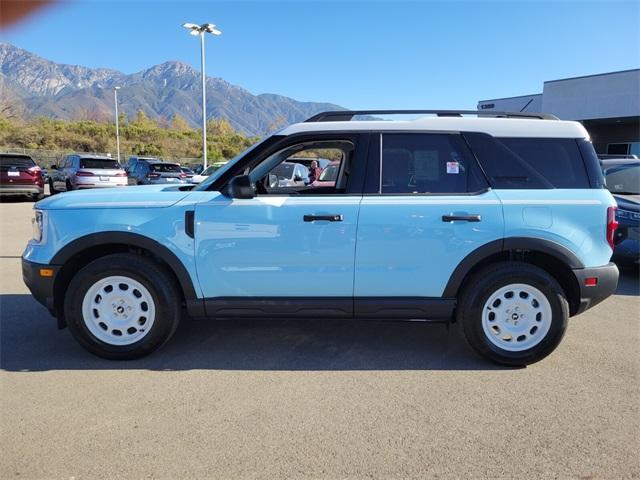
(290,250)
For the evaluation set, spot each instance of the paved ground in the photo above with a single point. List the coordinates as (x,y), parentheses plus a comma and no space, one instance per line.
(320,399)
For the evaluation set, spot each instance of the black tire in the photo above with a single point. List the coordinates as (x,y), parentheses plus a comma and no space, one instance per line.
(52,190)
(154,277)
(36,197)
(483,284)
(69,186)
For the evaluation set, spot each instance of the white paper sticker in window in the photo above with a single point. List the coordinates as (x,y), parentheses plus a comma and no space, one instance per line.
(453,167)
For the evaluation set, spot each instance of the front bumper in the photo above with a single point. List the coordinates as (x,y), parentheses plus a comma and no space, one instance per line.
(607,282)
(41,287)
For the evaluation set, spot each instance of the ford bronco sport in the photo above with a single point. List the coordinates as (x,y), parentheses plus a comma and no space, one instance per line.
(497,221)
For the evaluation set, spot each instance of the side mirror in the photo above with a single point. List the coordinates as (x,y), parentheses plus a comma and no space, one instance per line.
(297,178)
(241,187)
(54,167)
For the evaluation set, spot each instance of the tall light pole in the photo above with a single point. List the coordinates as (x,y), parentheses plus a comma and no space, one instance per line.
(115,99)
(201,30)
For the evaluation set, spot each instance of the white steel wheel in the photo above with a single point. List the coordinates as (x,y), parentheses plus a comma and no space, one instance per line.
(516,317)
(118,310)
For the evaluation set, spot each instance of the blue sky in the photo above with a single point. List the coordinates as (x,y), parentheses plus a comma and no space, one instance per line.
(356,54)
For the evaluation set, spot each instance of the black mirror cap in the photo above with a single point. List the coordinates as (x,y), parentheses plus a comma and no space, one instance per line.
(241,187)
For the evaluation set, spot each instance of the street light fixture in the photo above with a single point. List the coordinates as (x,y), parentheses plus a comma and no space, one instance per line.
(115,100)
(195,29)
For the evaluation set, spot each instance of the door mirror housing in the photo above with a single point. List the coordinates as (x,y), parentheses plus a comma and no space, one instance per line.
(54,167)
(241,187)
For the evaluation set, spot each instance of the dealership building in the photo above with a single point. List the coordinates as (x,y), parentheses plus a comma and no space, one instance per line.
(607,104)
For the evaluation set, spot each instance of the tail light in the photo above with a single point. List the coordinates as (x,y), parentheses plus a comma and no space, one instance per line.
(33,170)
(183,175)
(154,175)
(82,173)
(121,174)
(612,225)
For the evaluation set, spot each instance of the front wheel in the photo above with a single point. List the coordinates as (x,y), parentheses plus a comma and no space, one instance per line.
(52,189)
(122,306)
(513,313)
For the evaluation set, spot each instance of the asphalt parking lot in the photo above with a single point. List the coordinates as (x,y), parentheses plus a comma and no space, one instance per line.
(317,399)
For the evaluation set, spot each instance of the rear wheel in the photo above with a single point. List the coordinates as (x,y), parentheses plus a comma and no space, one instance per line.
(513,313)
(52,189)
(122,306)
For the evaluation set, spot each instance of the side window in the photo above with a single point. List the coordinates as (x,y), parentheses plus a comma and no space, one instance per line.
(420,163)
(530,163)
(307,168)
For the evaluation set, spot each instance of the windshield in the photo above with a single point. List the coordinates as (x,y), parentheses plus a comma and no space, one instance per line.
(98,163)
(220,171)
(623,179)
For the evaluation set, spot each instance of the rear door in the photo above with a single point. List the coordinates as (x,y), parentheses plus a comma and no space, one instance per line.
(428,206)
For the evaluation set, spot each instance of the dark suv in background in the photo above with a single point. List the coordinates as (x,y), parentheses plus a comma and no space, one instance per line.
(19,175)
(151,172)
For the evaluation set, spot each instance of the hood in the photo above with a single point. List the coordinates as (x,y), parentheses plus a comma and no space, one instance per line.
(145,196)
(628,202)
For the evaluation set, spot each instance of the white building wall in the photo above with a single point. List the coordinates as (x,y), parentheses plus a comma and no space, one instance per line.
(610,95)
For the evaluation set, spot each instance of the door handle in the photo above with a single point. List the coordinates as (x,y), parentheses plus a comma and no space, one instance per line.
(461,218)
(326,218)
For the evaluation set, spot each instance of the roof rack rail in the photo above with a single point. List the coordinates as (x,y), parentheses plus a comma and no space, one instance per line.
(347,115)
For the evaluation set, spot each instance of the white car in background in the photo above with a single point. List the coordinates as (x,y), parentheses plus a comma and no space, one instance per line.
(206,172)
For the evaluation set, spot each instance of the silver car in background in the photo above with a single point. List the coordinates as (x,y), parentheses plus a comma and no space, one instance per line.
(77,171)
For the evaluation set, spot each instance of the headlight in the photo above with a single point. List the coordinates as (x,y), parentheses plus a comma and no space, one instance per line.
(38,223)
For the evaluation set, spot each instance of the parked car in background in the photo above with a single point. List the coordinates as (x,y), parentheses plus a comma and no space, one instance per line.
(289,174)
(201,177)
(19,175)
(622,178)
(131,162)
(188,172)
(152,172)
(79,171)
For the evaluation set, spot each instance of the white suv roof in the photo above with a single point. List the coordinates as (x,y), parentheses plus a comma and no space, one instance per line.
(497,127)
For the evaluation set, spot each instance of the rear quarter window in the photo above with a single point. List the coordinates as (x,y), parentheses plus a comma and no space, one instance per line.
(530,163)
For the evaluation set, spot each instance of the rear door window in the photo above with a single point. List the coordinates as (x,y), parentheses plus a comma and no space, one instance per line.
(530,163)
(423,163)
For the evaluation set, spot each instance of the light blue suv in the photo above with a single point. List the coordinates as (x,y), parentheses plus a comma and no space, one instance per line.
(498,221)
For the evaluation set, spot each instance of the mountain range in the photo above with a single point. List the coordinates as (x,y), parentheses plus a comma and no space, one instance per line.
(32,86)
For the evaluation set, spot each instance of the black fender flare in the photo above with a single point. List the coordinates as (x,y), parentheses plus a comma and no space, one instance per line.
(549,247)
(135,240)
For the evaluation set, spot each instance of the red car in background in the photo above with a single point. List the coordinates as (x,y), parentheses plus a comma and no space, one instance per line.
(19,175)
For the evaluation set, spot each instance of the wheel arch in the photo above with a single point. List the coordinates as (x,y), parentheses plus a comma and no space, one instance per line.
(554,258)
(77,253)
